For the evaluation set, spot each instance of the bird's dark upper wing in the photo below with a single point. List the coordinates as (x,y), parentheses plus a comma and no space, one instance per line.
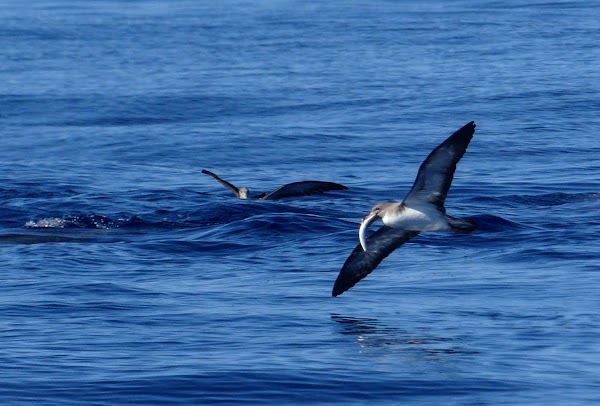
(305,188)
(437,171)
(223,182)
(360,263)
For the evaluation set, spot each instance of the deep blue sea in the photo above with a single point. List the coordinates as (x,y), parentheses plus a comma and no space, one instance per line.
(129,277)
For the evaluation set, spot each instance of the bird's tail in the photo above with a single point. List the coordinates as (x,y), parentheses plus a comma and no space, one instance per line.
(462,225)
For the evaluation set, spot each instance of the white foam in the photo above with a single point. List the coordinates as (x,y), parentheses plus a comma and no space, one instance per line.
(46,223)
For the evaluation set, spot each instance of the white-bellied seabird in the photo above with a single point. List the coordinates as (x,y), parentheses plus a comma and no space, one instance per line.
(295,189)
(421,210)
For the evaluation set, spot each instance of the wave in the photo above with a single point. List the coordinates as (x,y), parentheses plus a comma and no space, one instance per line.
(27,239)
(88,221)
(492,223)
(275,216)
(546,199)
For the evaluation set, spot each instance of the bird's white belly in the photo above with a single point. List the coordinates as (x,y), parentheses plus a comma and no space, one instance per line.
(416,220)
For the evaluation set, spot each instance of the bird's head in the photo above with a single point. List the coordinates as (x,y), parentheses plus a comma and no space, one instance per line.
(377,213)
(244,193)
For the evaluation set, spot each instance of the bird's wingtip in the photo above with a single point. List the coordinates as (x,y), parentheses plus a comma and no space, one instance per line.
(338,289)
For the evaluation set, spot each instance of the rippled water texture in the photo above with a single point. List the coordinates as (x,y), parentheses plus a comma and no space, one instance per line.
(129,277)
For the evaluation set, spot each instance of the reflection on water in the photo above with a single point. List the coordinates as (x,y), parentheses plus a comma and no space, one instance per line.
(372,334)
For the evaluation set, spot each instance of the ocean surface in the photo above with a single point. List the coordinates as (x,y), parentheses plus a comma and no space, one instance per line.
(129,277)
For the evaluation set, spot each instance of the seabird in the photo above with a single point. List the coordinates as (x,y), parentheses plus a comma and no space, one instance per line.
(295,189)
(421,210)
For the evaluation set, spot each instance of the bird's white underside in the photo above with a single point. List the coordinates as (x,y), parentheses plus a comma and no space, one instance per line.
(424,217)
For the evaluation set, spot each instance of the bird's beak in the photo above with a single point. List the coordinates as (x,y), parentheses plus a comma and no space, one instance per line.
(364,226)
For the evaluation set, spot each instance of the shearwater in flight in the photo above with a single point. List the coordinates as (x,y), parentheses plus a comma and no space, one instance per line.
(294,189)
(421,210)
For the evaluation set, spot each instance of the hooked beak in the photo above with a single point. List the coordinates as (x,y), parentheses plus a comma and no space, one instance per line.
(364,226)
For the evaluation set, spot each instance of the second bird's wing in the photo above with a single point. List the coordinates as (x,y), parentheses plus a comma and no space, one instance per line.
(304,188)
(223,182)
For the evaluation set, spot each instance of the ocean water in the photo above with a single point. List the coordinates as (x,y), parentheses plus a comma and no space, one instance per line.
(129,277)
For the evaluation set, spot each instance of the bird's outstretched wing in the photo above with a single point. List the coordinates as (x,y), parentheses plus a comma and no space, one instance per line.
(305,188)
(437,171)
(223,182)
(360,263)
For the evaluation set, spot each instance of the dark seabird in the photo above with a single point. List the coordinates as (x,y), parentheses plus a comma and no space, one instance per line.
(421,210)
(295,189)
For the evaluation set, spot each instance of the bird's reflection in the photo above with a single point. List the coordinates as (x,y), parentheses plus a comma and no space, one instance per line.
(371,333)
